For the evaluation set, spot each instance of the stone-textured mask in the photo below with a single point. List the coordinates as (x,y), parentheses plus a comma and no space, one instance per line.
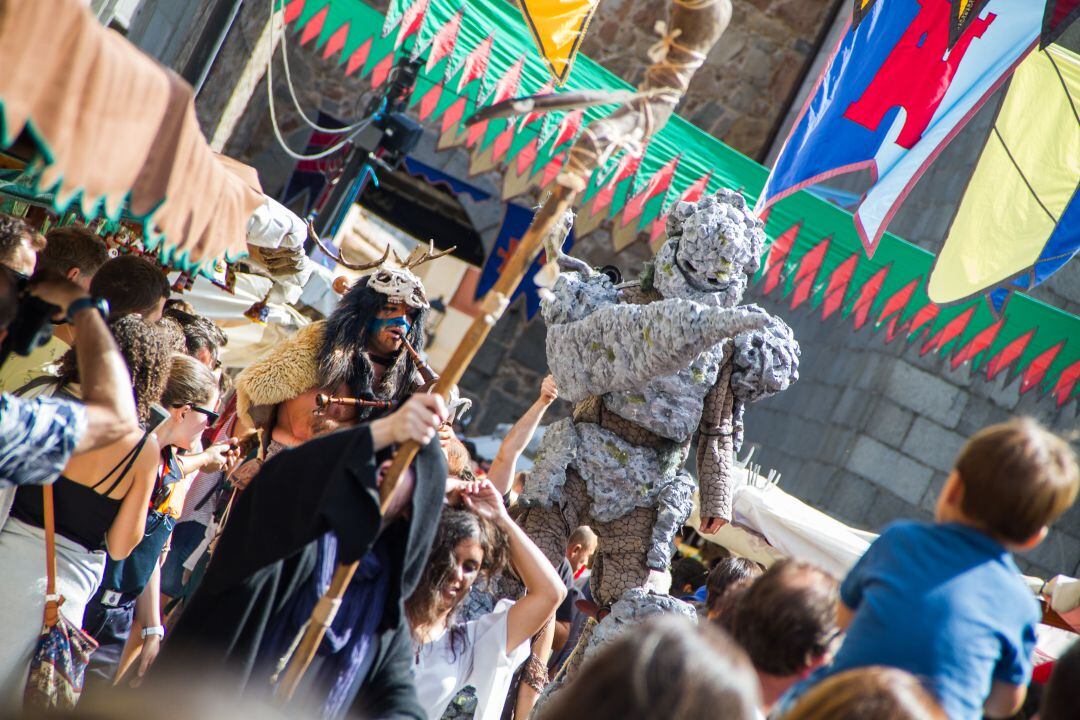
(720,240)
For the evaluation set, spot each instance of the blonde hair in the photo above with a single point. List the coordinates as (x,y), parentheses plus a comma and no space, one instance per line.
(190,383)
(869,693)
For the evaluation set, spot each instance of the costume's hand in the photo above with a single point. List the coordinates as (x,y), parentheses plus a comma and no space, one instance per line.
(484,500)
(418,419)
(549,391)
(150,648)
(710,525)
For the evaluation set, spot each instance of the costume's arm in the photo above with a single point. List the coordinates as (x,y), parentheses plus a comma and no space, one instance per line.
(389,691)
(716,454)
(622,347)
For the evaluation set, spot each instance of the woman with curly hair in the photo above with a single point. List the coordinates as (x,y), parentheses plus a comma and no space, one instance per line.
(100,503)
(482,653)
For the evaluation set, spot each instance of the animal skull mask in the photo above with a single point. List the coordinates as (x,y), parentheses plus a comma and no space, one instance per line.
(400,286)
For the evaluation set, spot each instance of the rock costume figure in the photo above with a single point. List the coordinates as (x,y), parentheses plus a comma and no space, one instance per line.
(650,365)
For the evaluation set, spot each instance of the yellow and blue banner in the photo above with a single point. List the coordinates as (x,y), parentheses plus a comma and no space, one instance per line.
(1019,220)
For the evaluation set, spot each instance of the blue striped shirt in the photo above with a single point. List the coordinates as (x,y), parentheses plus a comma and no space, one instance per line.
(37,436)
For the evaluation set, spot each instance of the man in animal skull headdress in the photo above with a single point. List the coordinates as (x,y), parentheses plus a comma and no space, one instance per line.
(357,352)
(650,365)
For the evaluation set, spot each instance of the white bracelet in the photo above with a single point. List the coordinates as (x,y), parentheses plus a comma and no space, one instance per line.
(156,630)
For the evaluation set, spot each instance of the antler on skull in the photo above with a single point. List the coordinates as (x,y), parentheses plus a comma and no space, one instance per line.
(419,256)
(340,257)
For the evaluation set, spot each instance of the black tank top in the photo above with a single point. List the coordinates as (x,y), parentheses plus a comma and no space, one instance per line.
(80,512)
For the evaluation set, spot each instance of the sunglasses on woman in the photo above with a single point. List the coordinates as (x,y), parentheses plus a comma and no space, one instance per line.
(211,416)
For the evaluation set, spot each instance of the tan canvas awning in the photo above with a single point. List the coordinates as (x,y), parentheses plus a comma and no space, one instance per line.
(111,124)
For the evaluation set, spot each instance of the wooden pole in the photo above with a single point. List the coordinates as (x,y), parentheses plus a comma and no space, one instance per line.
(696,25)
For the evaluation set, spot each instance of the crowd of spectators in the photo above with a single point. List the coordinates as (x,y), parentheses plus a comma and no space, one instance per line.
(165,522)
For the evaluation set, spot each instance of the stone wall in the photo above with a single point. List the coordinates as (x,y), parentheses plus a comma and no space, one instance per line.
(743,91)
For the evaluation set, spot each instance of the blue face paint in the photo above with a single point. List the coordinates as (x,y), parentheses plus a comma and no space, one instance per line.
(377,325)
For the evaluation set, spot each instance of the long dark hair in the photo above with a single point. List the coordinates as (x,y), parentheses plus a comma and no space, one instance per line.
(455,526)
(343,357)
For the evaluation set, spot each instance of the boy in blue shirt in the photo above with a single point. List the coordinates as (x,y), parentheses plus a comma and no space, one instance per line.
(945,600)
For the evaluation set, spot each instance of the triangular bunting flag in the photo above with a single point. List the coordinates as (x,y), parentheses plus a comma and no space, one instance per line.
(476,62)
(982,340)
(952,330)
(558,27)
(1067,383)
(779,251)
(806,274)
(1036,371)
(442,45)
(894,309)
(411,20)
(867,295)
(838,285)
(1008,355)
(394,13)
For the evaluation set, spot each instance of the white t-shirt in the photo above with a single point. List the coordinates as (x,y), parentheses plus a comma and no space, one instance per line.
(483,663)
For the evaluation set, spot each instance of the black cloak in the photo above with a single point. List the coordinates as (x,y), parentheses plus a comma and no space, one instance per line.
(267,553)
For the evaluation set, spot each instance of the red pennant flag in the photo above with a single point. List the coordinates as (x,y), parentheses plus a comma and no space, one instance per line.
(475,133)
(568,130)
(628,166)
(982,340)
(697,188)
(658,183)
(552,169)
(527,156)
(430,101)
(807,272)
(1065,384)
(1008,355)
(442,45)
(867,295)
(293,10)
(358,58)
(508,84)
(1036,371)
(894,306)
(838,285)
(476,63)
(923,319)
(314,26)
(778,254)
(380,72)
(453,115)
(501,145)
(952,330)
(336,41)
(411,21)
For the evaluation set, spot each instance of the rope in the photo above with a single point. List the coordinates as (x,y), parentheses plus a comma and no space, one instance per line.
(277,129)
(280,4)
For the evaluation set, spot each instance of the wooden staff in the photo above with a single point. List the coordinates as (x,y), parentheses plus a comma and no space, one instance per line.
(695,26)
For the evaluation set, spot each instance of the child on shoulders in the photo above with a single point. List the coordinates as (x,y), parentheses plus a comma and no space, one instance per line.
(945,600)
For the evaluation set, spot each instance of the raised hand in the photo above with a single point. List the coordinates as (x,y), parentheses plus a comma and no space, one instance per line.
(418,420)
(549,391)
(483,499)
